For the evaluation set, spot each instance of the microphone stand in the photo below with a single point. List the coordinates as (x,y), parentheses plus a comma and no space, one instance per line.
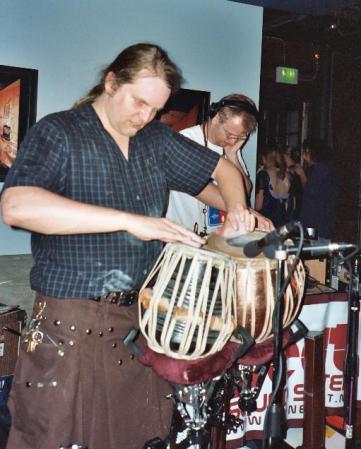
(275,418)
(351,365)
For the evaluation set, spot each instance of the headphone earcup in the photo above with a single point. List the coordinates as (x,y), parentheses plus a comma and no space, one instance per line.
(213,108)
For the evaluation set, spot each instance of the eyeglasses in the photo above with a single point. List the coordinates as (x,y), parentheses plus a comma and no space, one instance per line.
(235,137)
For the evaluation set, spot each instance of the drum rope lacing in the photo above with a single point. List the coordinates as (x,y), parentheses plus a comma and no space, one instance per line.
(192,304)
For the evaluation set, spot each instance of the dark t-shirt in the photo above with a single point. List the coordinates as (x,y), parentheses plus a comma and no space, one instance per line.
(70,153)
(279,209)
(319,201)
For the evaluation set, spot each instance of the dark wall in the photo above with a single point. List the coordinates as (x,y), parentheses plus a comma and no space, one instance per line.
(331,87)
(345,116)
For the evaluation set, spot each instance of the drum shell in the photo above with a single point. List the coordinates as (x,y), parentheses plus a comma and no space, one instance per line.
(256,289)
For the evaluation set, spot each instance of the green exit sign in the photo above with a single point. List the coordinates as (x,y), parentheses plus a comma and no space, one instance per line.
(287,75)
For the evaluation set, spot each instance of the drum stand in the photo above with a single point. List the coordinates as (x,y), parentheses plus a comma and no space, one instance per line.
(203,408)
(192,404)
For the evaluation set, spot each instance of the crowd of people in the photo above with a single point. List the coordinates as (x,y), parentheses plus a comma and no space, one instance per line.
(287,190)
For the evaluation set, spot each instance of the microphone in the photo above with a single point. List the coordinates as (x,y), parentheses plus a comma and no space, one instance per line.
(252,249)
(318,250)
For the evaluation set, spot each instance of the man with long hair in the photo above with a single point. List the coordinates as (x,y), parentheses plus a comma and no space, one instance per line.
(91,185)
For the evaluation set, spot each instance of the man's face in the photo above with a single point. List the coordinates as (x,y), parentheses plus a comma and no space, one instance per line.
(230,133)
(131,106)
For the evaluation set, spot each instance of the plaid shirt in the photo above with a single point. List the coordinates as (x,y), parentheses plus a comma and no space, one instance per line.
(71,154)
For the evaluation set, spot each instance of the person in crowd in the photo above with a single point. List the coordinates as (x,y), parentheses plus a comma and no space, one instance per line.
(292,160)
(298,177)
(319,202)
(232,120)
(273,188)
(91,185)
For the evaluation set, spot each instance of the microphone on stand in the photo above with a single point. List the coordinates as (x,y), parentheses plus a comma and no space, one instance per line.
(319,250)
(315,250)
(254,248)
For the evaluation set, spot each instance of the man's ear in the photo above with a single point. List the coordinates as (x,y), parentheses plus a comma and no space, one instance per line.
(110,84)
(216,119)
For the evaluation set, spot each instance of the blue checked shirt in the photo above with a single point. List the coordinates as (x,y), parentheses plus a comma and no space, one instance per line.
(71,154)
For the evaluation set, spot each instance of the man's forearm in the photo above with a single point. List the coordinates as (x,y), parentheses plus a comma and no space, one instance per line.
(38,210)
(211,196)
(230,184)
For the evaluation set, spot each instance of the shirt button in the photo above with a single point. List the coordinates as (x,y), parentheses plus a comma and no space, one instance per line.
(138,198)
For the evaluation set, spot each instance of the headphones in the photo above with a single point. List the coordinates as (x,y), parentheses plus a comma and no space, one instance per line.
(241,105)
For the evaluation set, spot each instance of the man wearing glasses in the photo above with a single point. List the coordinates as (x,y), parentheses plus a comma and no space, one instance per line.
(232,120)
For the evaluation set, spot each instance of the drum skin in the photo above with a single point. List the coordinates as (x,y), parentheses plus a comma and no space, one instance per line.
(256,286)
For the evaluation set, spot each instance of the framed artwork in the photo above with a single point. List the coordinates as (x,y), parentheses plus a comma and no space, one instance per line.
(185,108)
(18,99)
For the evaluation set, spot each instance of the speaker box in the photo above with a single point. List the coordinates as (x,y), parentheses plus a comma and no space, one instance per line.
(12,321)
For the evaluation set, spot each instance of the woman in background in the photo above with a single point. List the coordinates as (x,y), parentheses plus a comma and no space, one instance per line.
(292,160)
(273,188)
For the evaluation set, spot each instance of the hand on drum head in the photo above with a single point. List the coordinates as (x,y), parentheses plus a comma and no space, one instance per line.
(155,228)
(239,221)
(262,223)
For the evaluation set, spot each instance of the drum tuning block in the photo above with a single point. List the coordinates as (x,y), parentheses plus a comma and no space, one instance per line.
(129,342)
(245,340)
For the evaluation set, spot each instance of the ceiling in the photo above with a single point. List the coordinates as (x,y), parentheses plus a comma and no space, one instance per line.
(336,23)
(312,7)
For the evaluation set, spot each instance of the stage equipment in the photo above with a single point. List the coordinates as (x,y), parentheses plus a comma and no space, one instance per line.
(314,392)
(255,246)
(280,250)
(352,359)
(189,288)
(187,304)
(188,315)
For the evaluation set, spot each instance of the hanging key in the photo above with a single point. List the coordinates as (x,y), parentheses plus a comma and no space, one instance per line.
(35,339)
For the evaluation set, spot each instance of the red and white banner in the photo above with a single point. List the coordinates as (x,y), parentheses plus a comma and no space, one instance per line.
(325,312)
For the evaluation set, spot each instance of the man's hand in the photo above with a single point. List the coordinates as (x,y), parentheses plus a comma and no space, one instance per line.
(231,151)
(154,228)
(239,221)
(262,223)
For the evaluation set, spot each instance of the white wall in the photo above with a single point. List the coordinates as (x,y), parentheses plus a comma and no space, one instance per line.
(217,44)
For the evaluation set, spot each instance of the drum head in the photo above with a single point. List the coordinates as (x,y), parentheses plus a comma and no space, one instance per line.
(234,246)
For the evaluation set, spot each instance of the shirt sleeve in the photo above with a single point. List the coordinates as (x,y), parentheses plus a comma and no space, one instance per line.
(188,166)
(41,159)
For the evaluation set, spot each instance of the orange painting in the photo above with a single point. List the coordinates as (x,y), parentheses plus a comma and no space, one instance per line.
(9,122)
(186,108)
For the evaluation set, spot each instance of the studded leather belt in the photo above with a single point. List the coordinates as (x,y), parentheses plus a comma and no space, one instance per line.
(122,298)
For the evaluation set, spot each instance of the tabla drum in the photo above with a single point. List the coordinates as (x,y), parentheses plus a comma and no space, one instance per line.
(256,286)
(187,307)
